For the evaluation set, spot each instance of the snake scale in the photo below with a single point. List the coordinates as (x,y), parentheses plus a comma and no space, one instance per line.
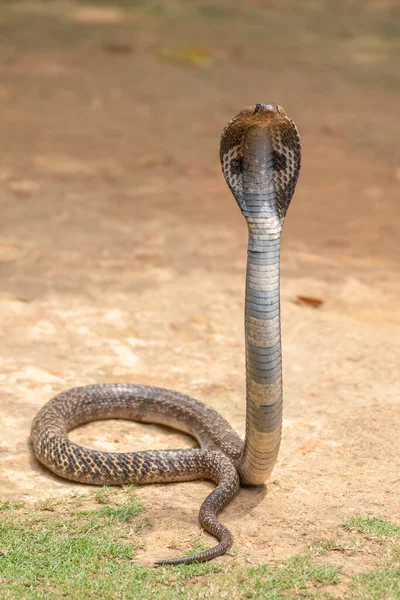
(260,155)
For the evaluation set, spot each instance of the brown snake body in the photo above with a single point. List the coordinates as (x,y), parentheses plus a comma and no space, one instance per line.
(260,156)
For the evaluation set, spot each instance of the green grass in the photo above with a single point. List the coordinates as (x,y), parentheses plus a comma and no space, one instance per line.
(10,505)
(84,547)
(372,527)
(379,585)
(382,583)
(299,573)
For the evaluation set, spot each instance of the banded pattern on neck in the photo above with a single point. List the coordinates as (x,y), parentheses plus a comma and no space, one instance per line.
(262,318)
(260,156)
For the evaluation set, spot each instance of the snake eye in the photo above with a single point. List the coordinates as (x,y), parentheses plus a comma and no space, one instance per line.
(257,108)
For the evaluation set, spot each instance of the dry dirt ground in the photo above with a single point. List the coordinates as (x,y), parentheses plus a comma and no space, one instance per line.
(122,252)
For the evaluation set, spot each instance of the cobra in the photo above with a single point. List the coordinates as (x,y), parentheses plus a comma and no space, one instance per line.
(260,155)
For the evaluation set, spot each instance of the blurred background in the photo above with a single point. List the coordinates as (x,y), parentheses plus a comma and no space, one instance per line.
(122,252)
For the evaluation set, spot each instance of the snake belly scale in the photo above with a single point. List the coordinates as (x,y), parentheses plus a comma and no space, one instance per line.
(260,155)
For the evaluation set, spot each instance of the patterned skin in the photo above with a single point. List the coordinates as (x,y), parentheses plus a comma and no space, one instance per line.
(260,157)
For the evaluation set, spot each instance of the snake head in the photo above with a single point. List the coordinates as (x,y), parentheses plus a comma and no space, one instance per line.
(263,141)
(265,111)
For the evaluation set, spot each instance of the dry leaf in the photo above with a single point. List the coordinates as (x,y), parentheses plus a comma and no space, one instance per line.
(190,55)
(309,301)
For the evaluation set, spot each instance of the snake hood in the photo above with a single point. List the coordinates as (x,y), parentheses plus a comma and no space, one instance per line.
(281,141)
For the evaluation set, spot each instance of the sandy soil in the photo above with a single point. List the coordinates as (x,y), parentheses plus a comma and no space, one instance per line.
(122,252)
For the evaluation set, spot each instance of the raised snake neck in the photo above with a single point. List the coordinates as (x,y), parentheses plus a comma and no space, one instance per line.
(260,156)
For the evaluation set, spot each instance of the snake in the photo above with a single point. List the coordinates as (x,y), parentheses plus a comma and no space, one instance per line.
(260,153)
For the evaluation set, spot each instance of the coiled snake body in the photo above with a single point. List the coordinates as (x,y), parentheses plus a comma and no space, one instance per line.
(260,155)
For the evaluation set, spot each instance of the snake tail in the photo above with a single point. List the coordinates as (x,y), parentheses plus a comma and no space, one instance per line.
(49,437)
